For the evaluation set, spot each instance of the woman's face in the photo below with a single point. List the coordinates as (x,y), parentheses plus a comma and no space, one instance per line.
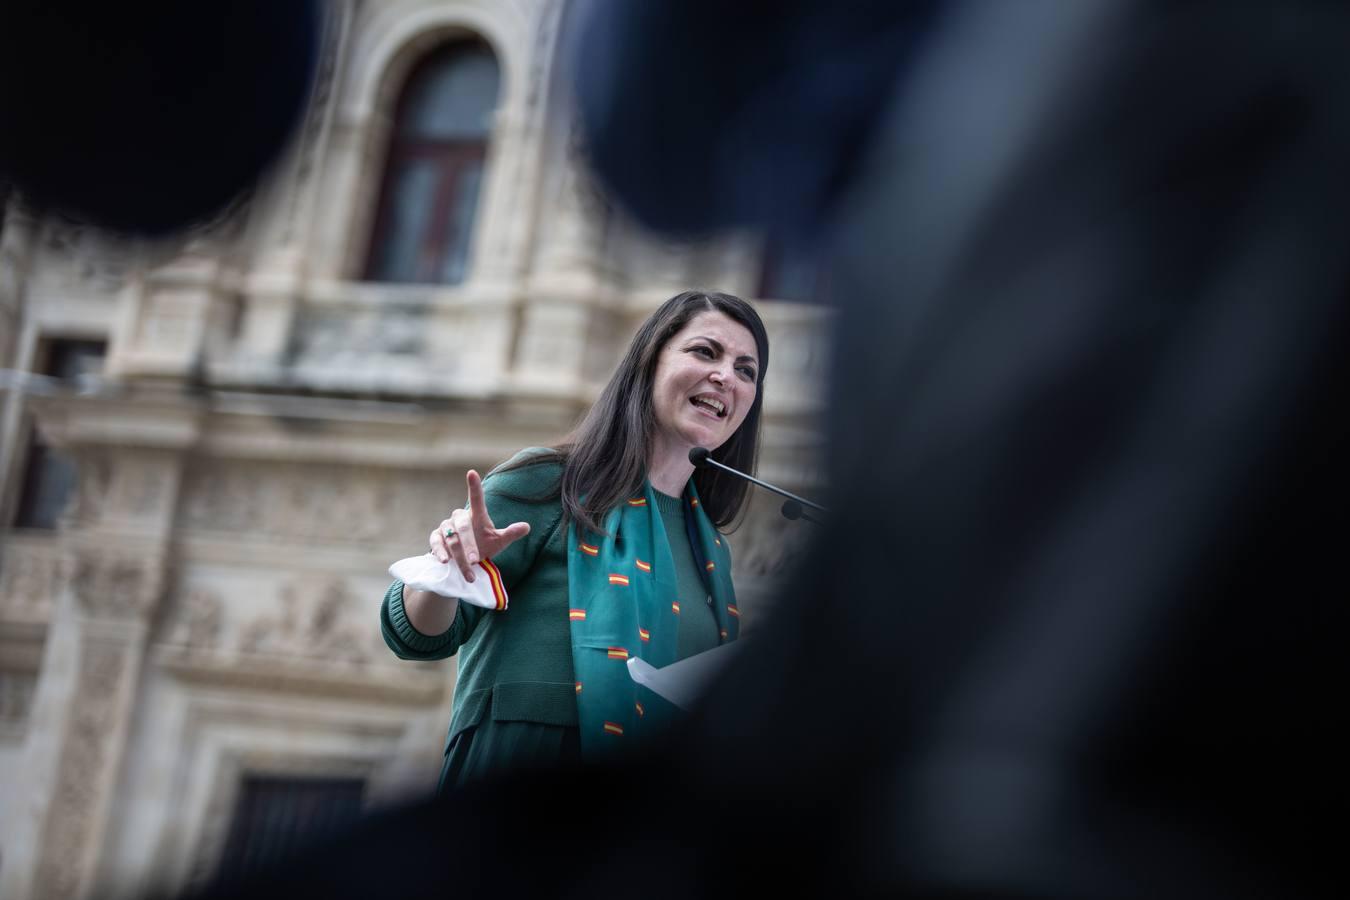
(707,375)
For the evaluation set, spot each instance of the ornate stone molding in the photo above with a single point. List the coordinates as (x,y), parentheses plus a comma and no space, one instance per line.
(315,620)
(79,258)
(413,684)
(29,577)
(310,503)
(112,585)
(317,638)
(196,621)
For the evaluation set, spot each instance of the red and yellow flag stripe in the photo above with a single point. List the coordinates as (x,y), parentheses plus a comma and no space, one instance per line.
(694,502)
(578,687)
(613,728)
(644,566)
(495,579)
(616,578)
(675,607)
(640,710)
(711,565)
(731,609)
(588,549)
(644,634)
(617,653)
(576,615)
(637,501)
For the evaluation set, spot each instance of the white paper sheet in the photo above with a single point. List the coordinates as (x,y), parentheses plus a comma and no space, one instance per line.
(683,682)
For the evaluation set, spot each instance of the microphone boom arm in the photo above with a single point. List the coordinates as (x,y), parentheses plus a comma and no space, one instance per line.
(707,459)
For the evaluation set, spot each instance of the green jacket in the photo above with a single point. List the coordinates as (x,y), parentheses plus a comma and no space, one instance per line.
(515,665)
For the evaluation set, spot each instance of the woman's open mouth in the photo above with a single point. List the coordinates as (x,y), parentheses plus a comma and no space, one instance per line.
(709,403)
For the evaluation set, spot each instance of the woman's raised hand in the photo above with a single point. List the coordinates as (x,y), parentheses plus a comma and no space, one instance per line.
(469,535)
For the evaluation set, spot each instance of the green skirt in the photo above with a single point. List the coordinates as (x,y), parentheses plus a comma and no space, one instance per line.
(492,748)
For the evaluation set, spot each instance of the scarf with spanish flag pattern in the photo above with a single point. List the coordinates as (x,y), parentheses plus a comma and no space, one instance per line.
(624,602)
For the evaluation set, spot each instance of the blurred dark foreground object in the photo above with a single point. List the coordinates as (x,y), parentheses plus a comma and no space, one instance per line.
(149,117)
(1078,628)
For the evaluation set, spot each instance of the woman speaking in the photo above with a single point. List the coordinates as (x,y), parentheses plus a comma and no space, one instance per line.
(569,560)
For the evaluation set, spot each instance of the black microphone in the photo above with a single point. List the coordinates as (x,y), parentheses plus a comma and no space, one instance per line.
(792,509)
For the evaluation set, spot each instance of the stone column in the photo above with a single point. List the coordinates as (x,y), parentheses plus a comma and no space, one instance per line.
(114,543)
(95,651)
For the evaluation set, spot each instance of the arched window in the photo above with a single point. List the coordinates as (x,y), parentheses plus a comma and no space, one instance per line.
(435,167)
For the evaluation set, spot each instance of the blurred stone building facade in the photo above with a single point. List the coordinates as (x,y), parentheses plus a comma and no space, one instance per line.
(212,449)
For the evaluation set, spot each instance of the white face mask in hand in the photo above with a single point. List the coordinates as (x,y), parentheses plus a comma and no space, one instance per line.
(427,573)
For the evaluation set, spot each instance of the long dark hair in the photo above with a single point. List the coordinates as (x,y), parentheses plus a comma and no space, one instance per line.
(605,457)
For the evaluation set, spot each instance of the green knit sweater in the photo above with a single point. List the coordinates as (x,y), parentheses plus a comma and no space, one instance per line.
(698,627)
(516,665)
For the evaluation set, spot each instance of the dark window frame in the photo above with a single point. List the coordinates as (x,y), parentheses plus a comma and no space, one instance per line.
(454,161)
(275,815)
(56,357)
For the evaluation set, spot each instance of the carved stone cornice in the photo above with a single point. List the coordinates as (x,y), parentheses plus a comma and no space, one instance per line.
(315,638)
(121,416)
(112,584)
(30,569)
(422,684)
